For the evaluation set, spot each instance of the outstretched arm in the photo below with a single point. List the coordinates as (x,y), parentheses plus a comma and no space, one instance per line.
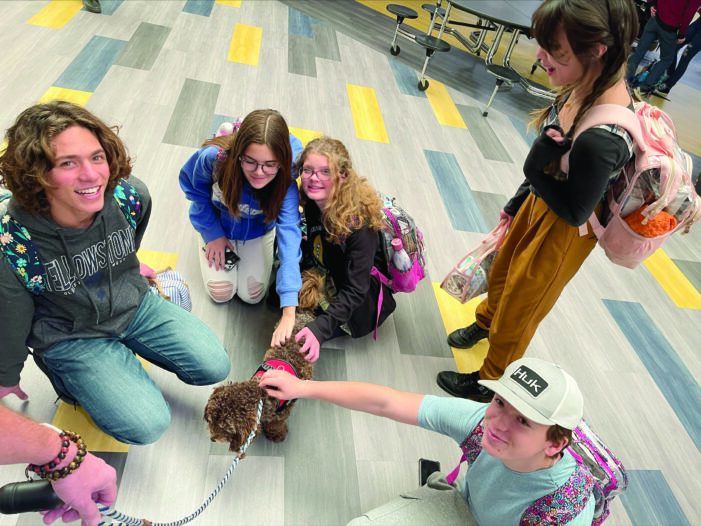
(359,396)
(93,481)
(29,441)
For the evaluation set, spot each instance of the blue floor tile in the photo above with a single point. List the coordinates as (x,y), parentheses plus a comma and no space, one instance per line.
(406,78)
(299,24)
(649,500)
(199,7)
(91,65)
(674,380)
(459,203)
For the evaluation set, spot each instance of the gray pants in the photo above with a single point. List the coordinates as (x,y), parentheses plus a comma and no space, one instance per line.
(435,503)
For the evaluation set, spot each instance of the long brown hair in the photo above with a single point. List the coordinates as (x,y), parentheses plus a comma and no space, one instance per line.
(30,155)
(266,127)
(353,203)
(587,23)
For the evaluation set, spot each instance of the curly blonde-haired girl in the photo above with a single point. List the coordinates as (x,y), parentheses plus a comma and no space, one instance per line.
(344,215)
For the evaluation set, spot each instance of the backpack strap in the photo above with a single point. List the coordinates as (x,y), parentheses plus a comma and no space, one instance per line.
(471,448)
(217,162)
(597,116)
(129,202)
(607,114)
(383,281)
(21,253)
(565,503)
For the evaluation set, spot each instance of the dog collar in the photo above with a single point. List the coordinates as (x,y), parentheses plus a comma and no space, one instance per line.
(280,365)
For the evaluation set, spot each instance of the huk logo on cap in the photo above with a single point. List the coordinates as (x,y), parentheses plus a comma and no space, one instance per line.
(529,380)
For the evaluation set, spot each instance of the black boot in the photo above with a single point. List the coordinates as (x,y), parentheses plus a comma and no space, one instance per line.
(467,337)
(464,385)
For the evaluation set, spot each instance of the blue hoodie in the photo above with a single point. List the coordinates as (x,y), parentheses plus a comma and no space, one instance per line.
(212,219)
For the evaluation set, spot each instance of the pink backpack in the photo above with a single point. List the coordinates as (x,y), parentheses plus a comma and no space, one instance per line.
(657,179)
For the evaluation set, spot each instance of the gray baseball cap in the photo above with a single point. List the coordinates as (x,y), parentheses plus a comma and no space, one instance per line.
(541,391)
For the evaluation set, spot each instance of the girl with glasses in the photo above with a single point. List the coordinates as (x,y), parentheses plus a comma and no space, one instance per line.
(344,215)
(584,46)
(242,194)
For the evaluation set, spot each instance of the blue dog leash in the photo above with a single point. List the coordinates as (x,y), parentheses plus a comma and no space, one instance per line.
(126,520)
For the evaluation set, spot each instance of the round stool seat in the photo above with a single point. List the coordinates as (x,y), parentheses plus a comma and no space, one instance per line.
(402,11)
(503,73)
(432,43)
(431,8)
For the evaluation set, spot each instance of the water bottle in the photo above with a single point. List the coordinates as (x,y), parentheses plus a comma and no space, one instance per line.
(22,497)
(400,259)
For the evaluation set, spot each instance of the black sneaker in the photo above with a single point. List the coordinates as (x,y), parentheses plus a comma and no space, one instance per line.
(464,385)
(467,337)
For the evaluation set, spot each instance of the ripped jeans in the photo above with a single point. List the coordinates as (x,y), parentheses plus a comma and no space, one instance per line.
(249,278)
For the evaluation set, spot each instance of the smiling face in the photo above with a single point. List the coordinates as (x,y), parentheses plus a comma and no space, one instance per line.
(561,64)
(519,442)
(78,179)
(317,185)
(262,155)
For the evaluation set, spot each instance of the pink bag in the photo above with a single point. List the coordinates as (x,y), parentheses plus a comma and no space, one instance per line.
(470,277)
(657,179)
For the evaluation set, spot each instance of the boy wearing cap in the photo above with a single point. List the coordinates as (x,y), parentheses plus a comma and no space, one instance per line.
(526,428)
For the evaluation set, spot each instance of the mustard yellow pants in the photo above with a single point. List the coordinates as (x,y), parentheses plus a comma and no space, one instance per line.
(539,256)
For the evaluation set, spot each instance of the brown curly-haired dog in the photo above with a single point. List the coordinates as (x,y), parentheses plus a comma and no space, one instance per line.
(232,408)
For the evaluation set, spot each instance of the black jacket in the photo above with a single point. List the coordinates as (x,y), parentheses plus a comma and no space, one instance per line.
(348,265)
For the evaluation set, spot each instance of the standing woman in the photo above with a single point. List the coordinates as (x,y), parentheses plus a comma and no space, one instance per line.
(242,194)
(344,215)
(584,45)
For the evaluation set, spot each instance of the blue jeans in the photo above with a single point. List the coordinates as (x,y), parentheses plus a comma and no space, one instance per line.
(668,45)
(109,382)
(693,39)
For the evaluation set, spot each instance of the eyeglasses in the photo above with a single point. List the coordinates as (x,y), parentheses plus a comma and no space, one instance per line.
(323,175)
(269,167)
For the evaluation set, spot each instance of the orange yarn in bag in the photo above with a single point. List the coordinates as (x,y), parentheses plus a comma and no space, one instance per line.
(655,226)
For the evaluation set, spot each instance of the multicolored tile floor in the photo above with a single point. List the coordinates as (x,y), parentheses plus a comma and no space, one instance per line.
(169,72)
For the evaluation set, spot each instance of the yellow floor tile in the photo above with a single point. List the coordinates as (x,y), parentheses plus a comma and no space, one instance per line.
(157,260)
(76,97)
(673,281)
(56,13)
(443,106)
(245,44)
(369,124)
(232,3)
(77,420)
(456,315)
(305,135)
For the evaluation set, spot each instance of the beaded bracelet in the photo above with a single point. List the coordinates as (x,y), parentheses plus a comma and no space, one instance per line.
(45,471)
